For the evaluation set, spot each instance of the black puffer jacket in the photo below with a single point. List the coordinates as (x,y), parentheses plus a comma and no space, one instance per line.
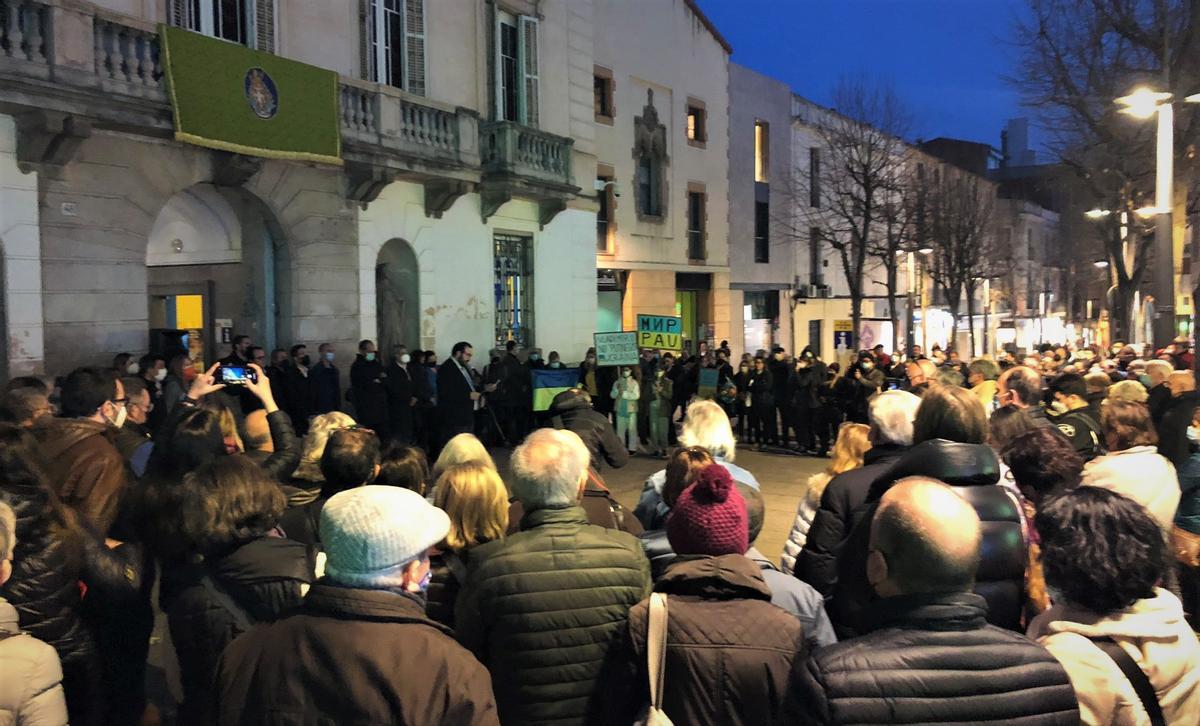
(263,578)
(931,659)
(973,470)
(571,407)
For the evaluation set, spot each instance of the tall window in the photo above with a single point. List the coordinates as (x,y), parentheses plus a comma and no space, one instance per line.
(695,230)
(649,199)
(602,95)
(816,275)
(516,67)
(762,151)
(247,22)
(762,240)
(814,177)
(605,223)
(514,289)
(395,36)
(697,133)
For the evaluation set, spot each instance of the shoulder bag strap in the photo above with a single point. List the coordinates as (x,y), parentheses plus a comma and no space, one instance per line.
(1136,677)
(218,593)
(656,647)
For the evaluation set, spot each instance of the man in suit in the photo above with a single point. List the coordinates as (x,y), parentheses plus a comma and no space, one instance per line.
(458,399)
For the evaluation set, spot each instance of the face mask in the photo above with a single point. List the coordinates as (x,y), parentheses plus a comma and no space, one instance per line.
(120,420)
(556,364)
(591,360)
(160,375)
(867,366)
(305,361)
(405,358)
(626,374)
(534,357)
(132,369)
(370,356)
(329,357)
(1193,434)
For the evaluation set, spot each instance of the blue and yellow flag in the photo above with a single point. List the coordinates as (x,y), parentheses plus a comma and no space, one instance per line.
(549,382)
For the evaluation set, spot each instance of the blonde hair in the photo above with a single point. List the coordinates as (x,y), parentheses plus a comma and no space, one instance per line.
(460,450)
(708,426)
(1130,390)
(476,501)
(319,430)
(848,451)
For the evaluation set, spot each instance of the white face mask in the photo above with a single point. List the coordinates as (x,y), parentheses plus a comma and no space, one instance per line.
(329,357)
(160,375)
(122,413)
(405,358)
(132,369)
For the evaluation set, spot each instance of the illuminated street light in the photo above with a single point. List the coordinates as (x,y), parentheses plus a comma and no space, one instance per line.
(1143,102)
(1101,264)
(1148,212)
(1097,213)
(926,250)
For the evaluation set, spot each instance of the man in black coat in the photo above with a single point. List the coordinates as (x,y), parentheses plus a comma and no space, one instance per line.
(572,410)
(401,395)
(929,655)
(298,398)
(891,416)
(367,392)
(1177,416)
(457,397)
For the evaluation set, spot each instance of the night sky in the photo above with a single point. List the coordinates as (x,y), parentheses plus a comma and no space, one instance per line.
(946,58)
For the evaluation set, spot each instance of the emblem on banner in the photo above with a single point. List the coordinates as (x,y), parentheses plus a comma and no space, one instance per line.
(261,94)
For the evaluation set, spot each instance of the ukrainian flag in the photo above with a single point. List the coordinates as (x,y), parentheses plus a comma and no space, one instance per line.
(549,382)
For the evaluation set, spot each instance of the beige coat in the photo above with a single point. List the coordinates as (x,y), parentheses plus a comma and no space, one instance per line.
(1142,475)
(31,686)
(1153,631)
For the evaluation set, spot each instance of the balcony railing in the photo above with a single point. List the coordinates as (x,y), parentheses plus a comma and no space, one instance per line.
(510,148)
(377,115)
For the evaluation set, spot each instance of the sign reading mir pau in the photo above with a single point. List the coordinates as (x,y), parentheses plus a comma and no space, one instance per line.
(660,332)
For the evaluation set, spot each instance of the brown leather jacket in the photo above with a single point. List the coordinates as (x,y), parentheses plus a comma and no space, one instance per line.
(729,650)
(84,467)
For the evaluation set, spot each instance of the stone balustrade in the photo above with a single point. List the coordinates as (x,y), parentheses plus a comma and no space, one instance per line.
(510,148)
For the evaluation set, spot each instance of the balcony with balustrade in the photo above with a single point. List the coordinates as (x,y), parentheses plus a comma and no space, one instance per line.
(68,67)
(521,161)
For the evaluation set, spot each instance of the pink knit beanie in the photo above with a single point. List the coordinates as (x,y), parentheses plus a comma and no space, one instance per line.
(709,518)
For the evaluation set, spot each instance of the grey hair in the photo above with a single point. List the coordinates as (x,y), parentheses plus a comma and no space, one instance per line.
(891,415)
(548,468)
(708,426)
(1156,368)
(8,531)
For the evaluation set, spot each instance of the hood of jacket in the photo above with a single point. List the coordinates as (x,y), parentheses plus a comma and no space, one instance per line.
(264,558)
(728,577)
(8,617)
(59,435)
(948,461)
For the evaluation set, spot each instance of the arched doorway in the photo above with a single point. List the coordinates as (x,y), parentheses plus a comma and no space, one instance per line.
(397,296)
(217,265)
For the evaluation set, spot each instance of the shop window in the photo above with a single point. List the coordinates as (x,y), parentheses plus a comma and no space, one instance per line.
(514,289)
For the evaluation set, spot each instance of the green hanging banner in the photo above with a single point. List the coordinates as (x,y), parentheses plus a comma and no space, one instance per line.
(226,96)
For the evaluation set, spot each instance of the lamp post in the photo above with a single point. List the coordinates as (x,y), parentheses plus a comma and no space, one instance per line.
(1144,103)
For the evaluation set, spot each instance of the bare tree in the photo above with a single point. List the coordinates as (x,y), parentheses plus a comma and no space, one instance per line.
(960,213)
(845,198)
(1076,57)
(897,229)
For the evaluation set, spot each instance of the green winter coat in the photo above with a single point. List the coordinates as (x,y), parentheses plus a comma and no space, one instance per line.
(542,608)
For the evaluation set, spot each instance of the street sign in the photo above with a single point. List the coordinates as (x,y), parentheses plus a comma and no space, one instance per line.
(660,332)
(843,326)
(616,349)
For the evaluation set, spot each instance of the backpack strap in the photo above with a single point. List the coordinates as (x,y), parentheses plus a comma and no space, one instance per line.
(1136,677)
(656,648)
(223,598)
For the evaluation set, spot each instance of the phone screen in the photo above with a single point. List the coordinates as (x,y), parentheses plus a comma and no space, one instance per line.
(237,375)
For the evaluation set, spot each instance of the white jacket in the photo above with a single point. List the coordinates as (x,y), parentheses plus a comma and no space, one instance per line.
(31,691)
(1142,475)
(806,512)
(1153,632)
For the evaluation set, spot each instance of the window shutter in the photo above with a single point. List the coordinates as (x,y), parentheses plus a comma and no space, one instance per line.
(365,19)
(179,13)
(264,25)
(528,50)
(497,71)
(414,46)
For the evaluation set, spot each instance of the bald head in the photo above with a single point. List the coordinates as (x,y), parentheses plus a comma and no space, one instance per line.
(1020,386)
(549,469)
(924,538)
(1181,382)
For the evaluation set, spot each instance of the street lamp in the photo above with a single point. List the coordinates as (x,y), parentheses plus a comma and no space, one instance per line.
(1101,264)
(1097,213)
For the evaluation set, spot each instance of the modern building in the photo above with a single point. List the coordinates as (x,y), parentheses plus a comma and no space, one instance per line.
(762,251)
(661,112)
(451,211)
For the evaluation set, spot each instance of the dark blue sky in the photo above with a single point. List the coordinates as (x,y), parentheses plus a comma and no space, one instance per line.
(946,58)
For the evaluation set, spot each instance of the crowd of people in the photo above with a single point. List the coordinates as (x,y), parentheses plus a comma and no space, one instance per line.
(1009,539)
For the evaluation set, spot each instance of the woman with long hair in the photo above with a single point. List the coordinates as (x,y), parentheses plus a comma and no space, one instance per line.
(475,499)
(848,451)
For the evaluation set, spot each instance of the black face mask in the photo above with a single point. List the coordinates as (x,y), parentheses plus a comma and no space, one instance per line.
(305,360)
